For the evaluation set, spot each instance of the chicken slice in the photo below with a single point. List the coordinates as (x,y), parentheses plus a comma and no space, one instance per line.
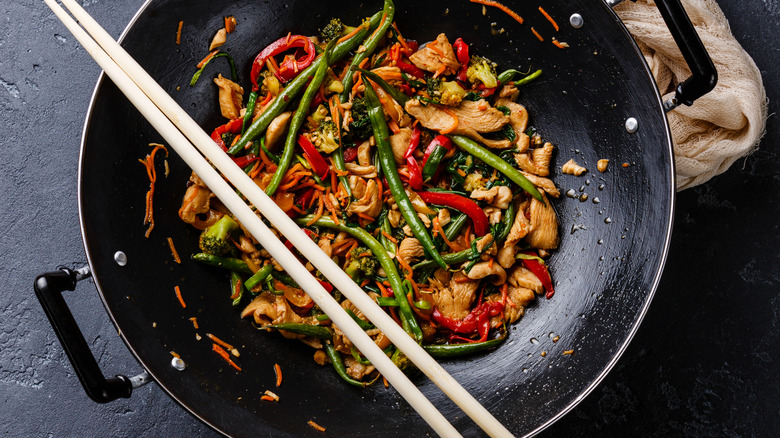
(230,97)
(453,298)
(473,118)
(436,55)
(544,225)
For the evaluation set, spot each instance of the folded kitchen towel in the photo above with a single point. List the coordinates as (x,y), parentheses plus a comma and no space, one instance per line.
(725,124)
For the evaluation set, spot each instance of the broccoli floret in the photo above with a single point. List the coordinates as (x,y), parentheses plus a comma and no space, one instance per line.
(326,137)
(361,267)
(448,93)
(404,364)
(360,128)
(269,84)
(215,239)
(333,29)
(482,70)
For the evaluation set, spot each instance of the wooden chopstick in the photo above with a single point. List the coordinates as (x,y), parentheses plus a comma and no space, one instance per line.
(123,67)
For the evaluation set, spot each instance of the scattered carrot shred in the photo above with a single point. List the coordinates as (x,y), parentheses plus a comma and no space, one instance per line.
(278,372)
(549,18)
(178,295)
(384,381)
(175,253)
(232,349)
(224,354)
(568,352)
(175,354)
(316,426)
(539,37)
(559,44)
(351,34)
(500,6)
(269,396)
(178,33)
(194,322)
(148,163)
(206,59)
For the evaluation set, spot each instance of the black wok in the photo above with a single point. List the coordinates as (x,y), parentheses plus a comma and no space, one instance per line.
(613,246)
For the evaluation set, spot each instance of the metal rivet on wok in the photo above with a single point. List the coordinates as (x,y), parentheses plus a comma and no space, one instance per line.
(178,364)
(576,21)
(120,258)
(631,125)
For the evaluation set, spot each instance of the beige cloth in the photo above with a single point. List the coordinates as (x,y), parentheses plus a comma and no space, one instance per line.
(725,124)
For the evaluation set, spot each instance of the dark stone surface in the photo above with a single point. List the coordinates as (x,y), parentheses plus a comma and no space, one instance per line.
(702,363)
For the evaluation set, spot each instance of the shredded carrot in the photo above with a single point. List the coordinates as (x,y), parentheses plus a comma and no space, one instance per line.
(381,23)
(389,237)
(206,59)
(559,44)
(384,381)
(318,214)
(232,349)
(498,5)
(402,262)
(256,170)
(173,251)
(438,228)
(490,263)
(175,354)
(178,33)
(278,372)
(316,426)
(366,217)
(440,71)
(178,295)
(401,39)
(350,35)
(454,125)
(194,322)
(221,351)
(539,37)
(269,396)
(549,18)
(568,352)
(393,126)
(152,174)
(436,49)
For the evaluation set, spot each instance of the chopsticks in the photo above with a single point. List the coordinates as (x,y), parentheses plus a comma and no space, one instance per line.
(172,122)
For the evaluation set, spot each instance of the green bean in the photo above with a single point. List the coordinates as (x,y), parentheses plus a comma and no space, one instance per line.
(284,278)
(279,104)
(385,154)
(456,350)
(365,325)
(229,263)
(507,221)
(453,257)
(387,228)
(507,75)
(338,161)
(315,331)
(233,73)
(408,320)
(271,155)
(388,12)
(338,365)
(400,97)
(497,163)
(528,78)
(259,276)
(250,108)
(297,121)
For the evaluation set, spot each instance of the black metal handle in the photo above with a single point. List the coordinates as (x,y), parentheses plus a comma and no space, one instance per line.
(49,288)
(703,74)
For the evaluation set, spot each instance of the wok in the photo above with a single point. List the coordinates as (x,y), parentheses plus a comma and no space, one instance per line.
(615,226)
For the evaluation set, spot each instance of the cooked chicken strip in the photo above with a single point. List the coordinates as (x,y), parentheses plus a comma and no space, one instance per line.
(473,118)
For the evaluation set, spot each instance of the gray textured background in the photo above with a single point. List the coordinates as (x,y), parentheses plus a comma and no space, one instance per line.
(702,363)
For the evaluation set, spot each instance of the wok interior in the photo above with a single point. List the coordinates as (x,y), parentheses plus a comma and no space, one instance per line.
(604,271)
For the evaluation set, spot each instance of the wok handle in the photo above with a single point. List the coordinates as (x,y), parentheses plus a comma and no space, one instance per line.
(48,288)
(703,74)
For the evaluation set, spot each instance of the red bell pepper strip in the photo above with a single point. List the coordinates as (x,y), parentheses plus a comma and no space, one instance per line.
(415,174)
(439,140)
(477,321)
(462,53)
(245,160)
(291,66)
(462,204)
(233,127)
(409,69)
(350,154)
(540,270)
(318,164)
(414,141)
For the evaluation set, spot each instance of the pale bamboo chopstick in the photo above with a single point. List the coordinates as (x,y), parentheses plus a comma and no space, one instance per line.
(242,211)
(284,224)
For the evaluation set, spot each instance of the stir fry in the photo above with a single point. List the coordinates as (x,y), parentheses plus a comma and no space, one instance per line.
(413,166)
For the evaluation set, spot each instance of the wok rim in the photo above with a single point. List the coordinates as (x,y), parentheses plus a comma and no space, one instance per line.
(587,390)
